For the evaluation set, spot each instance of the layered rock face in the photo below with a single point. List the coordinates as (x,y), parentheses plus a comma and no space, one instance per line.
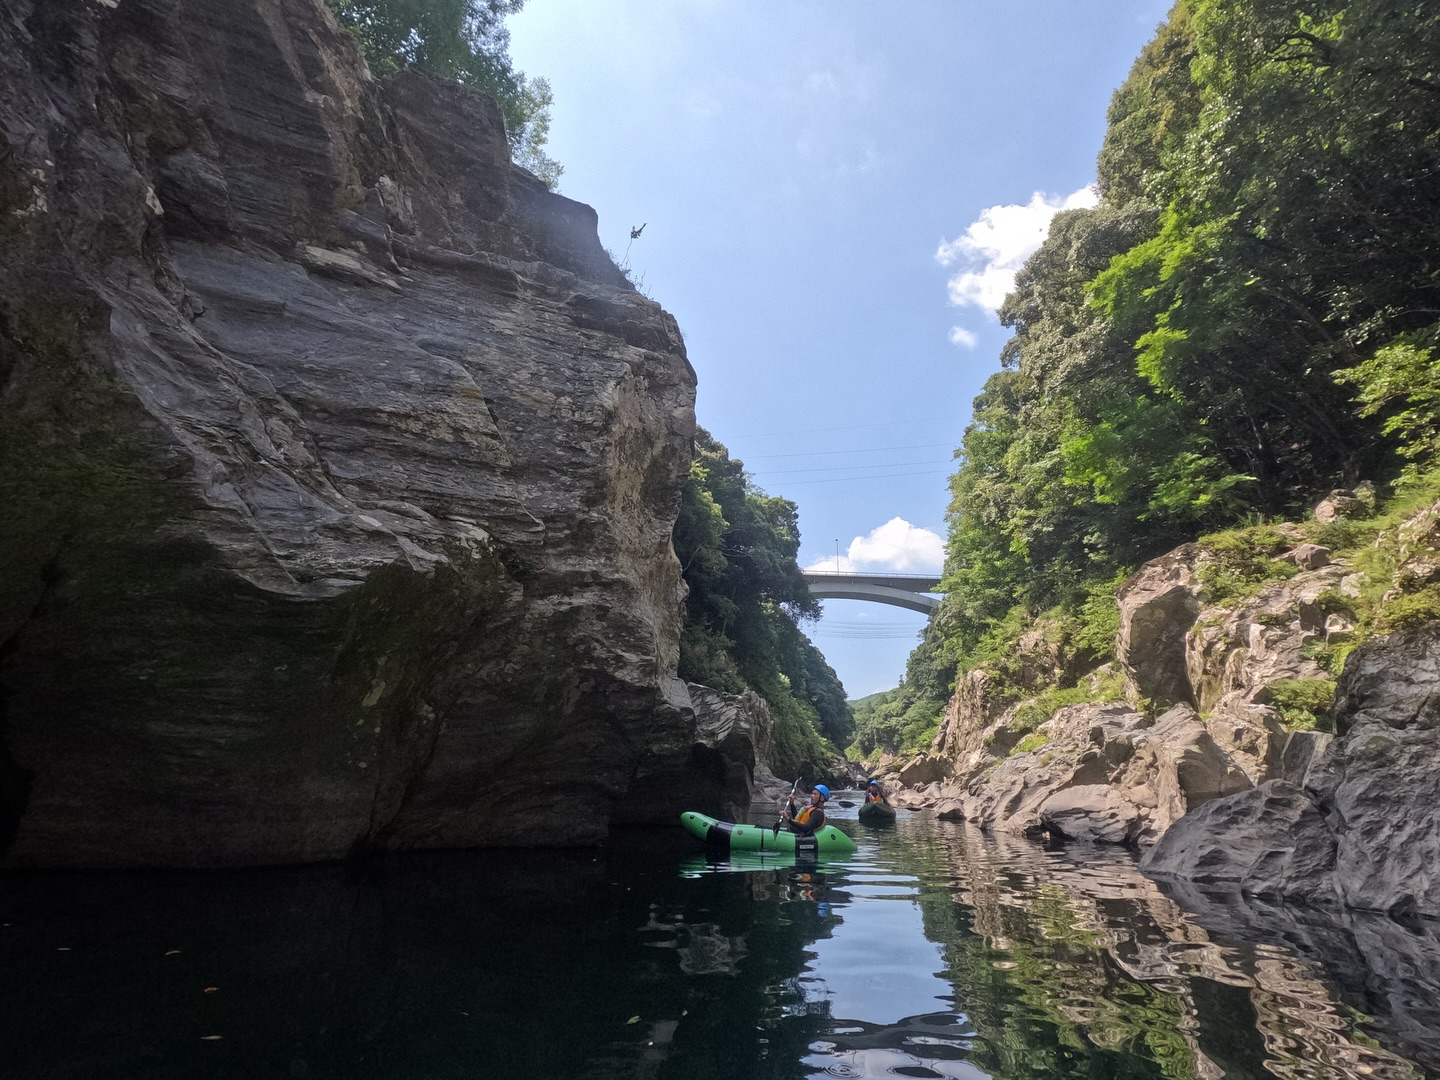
(1111,774)
(1116,773)
(339,461)
(1225,793)
(1361,829)
(734,733)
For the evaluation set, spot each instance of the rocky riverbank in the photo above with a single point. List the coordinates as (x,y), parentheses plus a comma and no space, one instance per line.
(1202,745)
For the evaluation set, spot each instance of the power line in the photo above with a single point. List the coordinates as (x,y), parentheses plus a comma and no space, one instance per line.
(845,468)
(858,624)
(853,479)
(832,453)
(908,422)
(846,635)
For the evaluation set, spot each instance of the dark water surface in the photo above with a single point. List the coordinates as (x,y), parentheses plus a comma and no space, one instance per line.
(934,952)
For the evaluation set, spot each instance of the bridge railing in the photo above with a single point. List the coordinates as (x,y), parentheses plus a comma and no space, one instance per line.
(869,574)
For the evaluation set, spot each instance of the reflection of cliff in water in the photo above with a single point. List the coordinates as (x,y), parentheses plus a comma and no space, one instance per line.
(1385,969)
(936,953)
(442,966)
(1066,956)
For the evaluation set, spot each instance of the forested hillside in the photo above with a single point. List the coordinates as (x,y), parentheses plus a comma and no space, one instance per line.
(1247,319)
(738,549)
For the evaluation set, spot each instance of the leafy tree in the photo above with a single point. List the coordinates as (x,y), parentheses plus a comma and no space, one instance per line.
(463,41)
(907,718)
(747,596)
(1267,243)
(1402,383)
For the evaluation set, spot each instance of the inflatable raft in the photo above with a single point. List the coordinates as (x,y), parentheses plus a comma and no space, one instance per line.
(828,841)
(876,813)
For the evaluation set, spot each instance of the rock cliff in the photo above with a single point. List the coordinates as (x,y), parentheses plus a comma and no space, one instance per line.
(1206,764)
(1359,830)
(339,461)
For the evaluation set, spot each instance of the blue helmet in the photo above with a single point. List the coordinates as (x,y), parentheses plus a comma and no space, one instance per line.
(823,790)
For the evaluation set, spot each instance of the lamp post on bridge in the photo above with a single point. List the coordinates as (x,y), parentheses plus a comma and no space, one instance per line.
(837,555)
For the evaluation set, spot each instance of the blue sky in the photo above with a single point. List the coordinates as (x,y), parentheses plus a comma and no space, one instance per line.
(834,195)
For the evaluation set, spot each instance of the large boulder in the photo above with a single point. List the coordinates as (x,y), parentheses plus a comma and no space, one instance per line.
(1363,830)
(1107,773)
(1252,736)
(1343,503)
(1084,743)
(1271,840)
(732,733)
(1175,766)
(1158,606)
(923,769)
(340,462)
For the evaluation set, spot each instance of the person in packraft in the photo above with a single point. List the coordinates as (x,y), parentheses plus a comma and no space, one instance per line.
(874,792)
(810,817)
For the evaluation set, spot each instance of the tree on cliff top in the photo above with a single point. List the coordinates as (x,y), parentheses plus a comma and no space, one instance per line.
(464,41)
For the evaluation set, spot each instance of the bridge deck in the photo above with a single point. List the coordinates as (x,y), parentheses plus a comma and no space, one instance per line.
(921,583)
(898,590)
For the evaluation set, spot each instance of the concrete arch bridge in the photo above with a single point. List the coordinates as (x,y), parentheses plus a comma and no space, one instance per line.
(907,591)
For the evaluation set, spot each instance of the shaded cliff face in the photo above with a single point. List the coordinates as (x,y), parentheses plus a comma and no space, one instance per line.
(339,462)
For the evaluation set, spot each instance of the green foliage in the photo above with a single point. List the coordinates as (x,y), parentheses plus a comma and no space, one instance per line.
(1402,382)
(1033,741)
(1098,618)
(1270,206)
(906,719)
(1379,604)
(1303,704)
(1241,561)
(737,548)
(462,41)
(1340,533)
(898,723)
(1030,714)
(1410,610)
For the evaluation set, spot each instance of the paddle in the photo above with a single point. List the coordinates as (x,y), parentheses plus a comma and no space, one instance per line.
(781,819)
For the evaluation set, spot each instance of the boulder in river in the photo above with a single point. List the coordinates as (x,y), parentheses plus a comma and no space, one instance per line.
(1363,830)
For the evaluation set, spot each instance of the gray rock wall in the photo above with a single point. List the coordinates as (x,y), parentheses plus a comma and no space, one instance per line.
(1363,831)
(339,460)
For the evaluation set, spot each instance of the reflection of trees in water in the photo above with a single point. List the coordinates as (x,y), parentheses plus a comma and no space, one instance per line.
(1075,963)
(553,964)
(739,944)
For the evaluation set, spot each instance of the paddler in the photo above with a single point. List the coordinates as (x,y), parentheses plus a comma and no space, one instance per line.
(811,817)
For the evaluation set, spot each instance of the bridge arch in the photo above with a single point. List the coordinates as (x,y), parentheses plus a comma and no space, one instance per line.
(898,590)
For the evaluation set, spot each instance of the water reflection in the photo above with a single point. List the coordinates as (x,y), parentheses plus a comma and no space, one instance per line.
(1098,961)
(933,1045)
(934,952)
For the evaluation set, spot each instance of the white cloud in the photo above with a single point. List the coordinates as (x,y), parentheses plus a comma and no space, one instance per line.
(995,246)
(896,547)
(965,339)
(823,84)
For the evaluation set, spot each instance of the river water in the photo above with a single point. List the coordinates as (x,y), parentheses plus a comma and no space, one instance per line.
(935,952)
